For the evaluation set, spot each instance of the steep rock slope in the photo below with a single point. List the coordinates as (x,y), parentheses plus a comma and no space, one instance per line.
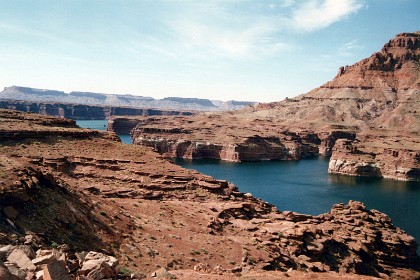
(80,190)
(377,99)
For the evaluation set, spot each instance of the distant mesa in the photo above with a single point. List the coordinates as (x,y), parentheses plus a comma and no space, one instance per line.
(116,100)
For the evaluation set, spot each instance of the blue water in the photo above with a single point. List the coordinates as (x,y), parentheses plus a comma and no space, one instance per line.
(101,125)
(306,187)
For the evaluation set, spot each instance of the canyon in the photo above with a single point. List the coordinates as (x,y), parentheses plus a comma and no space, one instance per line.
(367,119)
(80,204)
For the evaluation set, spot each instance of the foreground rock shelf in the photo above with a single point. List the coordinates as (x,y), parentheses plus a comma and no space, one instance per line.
(85,191)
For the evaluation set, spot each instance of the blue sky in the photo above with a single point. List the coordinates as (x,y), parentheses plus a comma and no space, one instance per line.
(226,50)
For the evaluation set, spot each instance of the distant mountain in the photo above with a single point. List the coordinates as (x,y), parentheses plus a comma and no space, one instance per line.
(116,100)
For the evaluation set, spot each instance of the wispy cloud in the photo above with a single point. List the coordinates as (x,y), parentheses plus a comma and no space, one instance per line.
(349,48)
(180,36)
(228,31)
(315,14)
(207,30)
(248,41)
(254,31)
(288,3)
(343,55)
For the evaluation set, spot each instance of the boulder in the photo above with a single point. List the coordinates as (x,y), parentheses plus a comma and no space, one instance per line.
(10,212)
(44,260)
(56,270)
(20,258)
(5,273)
(102,272)
(100,263)
(15,271)
(162,273)
(29,251)
(5,251)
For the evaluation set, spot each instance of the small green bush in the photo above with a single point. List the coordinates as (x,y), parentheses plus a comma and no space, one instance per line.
(124,271)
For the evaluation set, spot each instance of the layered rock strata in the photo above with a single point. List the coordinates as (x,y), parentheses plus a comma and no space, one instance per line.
(93,193)
(221,137)
(84,112)
(373,106)
(395,158)
(125,124)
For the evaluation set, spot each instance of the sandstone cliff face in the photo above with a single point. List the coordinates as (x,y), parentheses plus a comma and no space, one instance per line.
(83,112)
(218,137)
(86,191)
(397,158)
(374,100)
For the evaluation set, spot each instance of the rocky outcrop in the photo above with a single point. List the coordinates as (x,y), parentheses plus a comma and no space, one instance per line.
(397,158)
(93,99)
(31,126)
(125,125)
(251,149)
(329,139)
(348,239)
(84,112)
(233,140)
(195,138)
(63,196)
(30,261)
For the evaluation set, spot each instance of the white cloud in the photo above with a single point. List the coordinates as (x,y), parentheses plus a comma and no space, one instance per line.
(315,14)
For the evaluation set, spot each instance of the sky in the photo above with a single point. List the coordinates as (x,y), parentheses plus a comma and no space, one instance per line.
(220,50)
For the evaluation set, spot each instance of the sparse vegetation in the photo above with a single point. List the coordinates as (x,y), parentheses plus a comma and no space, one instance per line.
(195,252)
(124,272)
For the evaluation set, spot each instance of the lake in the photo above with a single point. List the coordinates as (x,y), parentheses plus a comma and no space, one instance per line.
(101,125)
(306,187)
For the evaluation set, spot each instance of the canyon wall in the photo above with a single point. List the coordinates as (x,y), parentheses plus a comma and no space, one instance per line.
(366,158)
(83,112)
(182,137)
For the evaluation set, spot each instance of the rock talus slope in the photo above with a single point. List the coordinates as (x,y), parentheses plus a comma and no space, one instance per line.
(66,191)
(371,107)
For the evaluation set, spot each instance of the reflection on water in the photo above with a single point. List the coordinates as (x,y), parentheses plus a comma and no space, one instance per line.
(359,181)
(342,179)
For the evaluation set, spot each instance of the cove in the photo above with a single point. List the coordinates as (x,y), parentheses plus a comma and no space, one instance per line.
(101,125)
(306,187)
